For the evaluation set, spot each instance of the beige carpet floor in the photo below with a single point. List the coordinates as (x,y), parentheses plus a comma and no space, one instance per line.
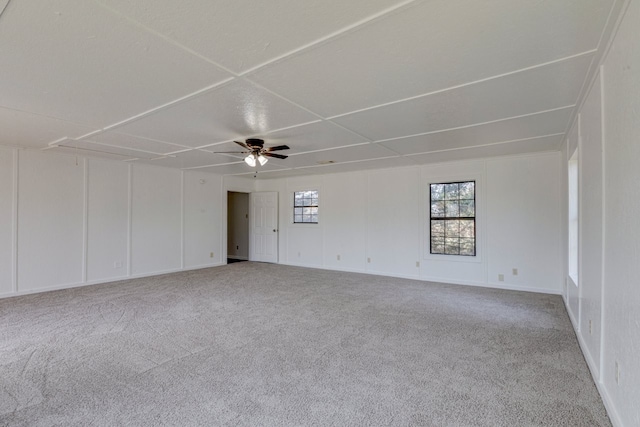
(252,344)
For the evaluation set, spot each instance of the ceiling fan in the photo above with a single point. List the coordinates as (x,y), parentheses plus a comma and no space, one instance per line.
(257,152)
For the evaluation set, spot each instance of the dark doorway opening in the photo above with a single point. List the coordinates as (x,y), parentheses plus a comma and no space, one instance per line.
(237,227)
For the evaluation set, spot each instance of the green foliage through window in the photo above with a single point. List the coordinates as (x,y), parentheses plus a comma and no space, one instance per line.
(453,218)
(305,207)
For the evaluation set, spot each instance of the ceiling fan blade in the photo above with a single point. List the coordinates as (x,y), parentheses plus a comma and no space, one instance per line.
(229,152)
(277,156)
(277,148)
(243,145)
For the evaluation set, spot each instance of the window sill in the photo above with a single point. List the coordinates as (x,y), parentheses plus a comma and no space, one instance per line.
(304,225)
(453,258)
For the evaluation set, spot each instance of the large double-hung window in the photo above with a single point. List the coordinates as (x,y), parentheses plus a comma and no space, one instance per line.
(453,218)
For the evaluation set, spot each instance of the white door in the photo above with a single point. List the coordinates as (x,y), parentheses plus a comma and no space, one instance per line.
(264,227)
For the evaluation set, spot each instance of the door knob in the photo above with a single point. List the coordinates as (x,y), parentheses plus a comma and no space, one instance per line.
(274,230)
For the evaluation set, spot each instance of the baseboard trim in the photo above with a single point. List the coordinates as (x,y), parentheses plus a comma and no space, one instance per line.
(302,265)
(202,266)
(352,270)
(608,405)
(400,276)
(107,280)
(604,395)
(572,318)
(493,285)
(320,267)
(435,279)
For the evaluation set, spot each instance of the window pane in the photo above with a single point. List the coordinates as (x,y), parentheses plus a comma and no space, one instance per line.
(451,191)
(297,211)
(437,209)
(467,247)
(467,208)
(467,190)
(467,228)
(452,246)
(314,211)
(437,192)
(452,228)
(297,218)
(314,218)
(452,209)
(437,228)
(314,202)
(437,246)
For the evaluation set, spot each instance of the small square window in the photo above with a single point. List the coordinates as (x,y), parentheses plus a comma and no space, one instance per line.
(305,207)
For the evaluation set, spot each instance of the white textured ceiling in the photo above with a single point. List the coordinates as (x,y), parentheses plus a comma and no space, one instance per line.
(348,85)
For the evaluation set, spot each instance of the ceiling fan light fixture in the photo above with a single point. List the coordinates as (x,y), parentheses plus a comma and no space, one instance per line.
(250,160)
(262,159)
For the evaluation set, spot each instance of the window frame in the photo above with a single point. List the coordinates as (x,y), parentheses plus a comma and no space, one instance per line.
(573,217)
(457,256)
(317,206)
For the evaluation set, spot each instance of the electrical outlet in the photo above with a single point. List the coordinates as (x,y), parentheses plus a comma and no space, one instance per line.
(418,264)
(514,271)
(500,277)
(617,372)
(237,248)
(338,257)
(211,255)
(368,260)
(590,327)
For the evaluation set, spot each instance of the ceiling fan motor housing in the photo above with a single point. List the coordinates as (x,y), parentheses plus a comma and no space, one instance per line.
(255,142)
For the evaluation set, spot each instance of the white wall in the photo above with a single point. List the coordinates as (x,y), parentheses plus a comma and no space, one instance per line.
(344,222)
(156,220)
(590,201)
(608,293)
(203,227)
(381,215)
(621,305)
(51,220)
(108,219)
(523,227)
(393,222)
(6,220)
(82,221)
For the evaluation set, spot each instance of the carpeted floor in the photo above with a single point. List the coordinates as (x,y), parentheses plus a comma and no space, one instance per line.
(253,344)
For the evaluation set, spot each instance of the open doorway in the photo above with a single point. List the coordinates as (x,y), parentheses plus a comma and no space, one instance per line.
(237,227)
